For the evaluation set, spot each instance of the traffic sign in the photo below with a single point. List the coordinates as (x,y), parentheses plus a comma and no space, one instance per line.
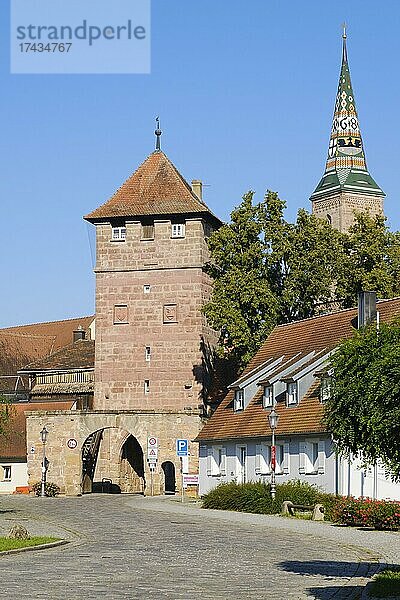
(182,447)
(152,449)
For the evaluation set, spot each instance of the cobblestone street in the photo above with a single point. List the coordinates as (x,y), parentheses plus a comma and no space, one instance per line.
(133,547)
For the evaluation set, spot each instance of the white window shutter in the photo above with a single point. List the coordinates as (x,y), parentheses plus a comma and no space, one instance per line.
(321,456)
(222,465)
(286,459)
(209,460)
(302,457)
(258,459)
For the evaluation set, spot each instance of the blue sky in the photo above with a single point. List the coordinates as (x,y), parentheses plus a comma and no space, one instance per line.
(245,92)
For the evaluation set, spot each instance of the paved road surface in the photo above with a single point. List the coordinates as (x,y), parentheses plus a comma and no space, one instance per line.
(125,547)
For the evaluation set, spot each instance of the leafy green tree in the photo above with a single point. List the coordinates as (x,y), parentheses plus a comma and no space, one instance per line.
(373,260)
(242,300)
(267,271)
(363,413)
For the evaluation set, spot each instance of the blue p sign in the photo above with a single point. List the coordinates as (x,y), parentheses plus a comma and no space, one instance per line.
(182,447)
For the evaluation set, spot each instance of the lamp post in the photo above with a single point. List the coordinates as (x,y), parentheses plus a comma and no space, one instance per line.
(43,436)
(273,419)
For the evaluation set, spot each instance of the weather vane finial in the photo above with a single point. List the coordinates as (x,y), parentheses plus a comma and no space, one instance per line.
(344,36)
(158,133)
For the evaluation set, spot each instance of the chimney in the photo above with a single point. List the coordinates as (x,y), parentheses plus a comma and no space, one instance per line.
(197,188)
(366,308)
(79,334)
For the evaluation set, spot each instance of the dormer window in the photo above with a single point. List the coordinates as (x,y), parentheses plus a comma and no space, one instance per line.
(118,234)
(239,400)
(291,393)
(268,396)
(326,388)
(178,230)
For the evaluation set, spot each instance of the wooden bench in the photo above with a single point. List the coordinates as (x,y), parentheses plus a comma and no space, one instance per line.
(289,508)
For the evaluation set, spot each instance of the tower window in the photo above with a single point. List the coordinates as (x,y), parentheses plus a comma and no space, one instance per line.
(329,219)
(147,386)
(178,230)
(118,234)
(147,231)
(147,353)
(146,288)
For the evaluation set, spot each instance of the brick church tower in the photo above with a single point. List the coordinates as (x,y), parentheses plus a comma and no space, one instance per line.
(346,185)
(150,287)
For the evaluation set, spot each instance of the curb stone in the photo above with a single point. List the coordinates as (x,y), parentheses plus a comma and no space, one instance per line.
(32,548)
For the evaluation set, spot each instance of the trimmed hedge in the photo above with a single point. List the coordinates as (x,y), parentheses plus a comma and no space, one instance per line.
(256,497)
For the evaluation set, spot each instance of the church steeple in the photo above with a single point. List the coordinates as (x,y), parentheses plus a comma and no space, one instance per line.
(346,168)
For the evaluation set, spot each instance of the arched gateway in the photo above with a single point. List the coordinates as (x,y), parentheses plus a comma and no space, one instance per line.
(86,449)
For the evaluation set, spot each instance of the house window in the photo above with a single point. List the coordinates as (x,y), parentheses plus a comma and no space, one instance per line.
(178,230)
(147,353)
(239,400)
(147,386)
(263,459)
(148,231)
(118,234)
(326,388)
(268,396)
(6,472)
(312,457)
(146,288)
(216,461)
(291,393)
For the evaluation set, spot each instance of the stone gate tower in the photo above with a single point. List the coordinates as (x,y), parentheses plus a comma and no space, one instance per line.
(153,348)
(346,186)
(150,287)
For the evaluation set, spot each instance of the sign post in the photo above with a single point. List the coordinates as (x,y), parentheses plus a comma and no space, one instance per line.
(152,457)
(182,449)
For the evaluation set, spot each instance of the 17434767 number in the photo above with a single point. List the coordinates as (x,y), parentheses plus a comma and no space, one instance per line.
(40,47)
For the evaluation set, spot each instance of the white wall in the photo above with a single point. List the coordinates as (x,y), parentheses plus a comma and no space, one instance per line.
(19,476)
(334,475)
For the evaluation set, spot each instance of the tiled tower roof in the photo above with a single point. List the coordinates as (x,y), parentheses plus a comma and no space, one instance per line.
(155,188)
(346,167)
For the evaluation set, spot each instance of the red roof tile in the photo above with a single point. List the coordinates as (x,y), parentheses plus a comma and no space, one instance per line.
(317,333)
(13,443)
(155,188)
(27,343)
(79,355)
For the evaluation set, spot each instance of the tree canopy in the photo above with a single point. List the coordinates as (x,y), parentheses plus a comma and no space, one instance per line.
(363,412)
(268,271)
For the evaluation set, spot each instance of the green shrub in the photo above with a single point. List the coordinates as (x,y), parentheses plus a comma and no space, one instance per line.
(256,497)
(50,489)
(364,512)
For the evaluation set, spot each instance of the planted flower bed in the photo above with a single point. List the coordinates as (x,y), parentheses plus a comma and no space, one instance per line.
(364,512)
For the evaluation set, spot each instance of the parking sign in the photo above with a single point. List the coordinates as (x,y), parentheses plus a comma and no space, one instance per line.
(182,447)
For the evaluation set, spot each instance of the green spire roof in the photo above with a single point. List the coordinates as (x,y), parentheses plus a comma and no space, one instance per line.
(346,167)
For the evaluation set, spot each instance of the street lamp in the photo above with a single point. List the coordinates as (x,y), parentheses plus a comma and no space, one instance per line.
(273,419)
(43,436)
